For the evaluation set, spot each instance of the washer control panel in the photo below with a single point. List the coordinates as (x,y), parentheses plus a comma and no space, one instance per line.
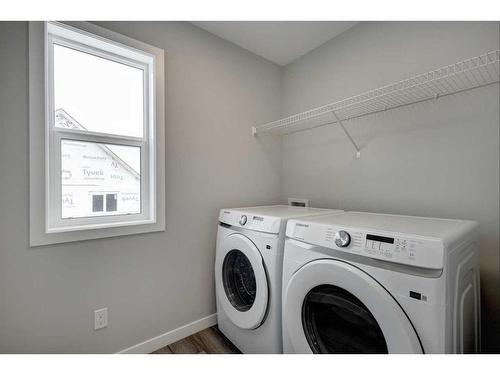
(259,223)
(398,248)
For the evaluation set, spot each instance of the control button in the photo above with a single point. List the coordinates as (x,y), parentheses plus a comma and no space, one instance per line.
(369,244)
(375,245)
(243,219)
(385,246)
(342,238)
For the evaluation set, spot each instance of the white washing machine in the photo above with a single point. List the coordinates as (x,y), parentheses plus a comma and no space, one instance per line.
(372,283)
(248,274)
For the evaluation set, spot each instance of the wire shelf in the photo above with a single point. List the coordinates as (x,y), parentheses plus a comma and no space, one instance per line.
(465,75)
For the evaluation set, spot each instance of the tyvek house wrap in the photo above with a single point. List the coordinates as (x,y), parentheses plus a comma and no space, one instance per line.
(95,180)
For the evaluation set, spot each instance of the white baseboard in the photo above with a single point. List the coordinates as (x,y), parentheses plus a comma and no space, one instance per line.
(170,337)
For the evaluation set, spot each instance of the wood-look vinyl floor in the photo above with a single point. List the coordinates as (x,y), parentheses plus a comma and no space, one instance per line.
(208,341)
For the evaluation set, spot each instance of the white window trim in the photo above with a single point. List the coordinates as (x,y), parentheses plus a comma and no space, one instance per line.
(48,230)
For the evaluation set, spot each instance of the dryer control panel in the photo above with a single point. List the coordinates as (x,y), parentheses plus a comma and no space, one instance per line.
(393,247)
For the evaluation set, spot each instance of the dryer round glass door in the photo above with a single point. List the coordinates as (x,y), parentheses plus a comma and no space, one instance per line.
(334,307)
(335,321)
(241,281)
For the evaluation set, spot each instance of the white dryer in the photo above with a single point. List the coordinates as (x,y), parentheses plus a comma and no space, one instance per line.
(248,274)
(373,283)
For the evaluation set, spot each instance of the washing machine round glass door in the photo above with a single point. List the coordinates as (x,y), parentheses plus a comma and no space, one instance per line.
(241,281)
(334,307)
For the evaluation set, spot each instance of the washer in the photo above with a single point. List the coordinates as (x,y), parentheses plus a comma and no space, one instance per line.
(373,283)
(248,274)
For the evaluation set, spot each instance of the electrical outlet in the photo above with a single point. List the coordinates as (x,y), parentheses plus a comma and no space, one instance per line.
(100,318)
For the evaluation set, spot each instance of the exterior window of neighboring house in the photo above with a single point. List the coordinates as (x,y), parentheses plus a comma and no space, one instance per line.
(96,125)
(111,202)
(98,202)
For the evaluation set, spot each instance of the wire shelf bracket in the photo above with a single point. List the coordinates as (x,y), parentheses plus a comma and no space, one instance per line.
(358,151)
(473,73)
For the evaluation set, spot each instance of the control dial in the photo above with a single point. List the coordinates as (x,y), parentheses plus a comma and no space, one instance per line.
(342,238)
(243,219)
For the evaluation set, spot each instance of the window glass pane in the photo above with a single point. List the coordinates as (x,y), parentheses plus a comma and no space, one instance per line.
(111,202)
(99,179)
(96,94)
(97,203)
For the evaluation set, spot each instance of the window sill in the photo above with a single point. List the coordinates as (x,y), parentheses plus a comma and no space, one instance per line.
(75,228)
(82,233)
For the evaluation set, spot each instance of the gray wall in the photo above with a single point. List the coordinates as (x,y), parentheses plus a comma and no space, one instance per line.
(433,159)
(151,283)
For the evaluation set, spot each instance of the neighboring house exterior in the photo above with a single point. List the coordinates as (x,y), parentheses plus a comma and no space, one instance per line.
(95,180)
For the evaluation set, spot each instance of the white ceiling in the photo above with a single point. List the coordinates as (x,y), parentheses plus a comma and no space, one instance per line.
(278,41)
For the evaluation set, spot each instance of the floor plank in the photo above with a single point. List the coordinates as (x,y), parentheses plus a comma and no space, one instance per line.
(164,350)
(208,341)
(211,340)
(184,346)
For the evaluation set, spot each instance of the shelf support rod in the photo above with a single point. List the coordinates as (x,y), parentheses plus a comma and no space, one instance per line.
(358,151)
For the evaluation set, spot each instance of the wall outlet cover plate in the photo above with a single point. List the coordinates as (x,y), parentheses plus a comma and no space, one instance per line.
(100,318)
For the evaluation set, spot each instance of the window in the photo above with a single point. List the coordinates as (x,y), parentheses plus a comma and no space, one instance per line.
(111,202)
(100,117)
(98,203)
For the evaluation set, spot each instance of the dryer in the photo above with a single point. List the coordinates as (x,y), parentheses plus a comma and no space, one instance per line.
(373,283)
(248,274)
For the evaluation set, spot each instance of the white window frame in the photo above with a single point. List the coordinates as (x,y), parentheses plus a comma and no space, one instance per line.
(46,224)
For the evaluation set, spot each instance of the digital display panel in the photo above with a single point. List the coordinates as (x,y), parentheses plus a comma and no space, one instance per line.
(379,238)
